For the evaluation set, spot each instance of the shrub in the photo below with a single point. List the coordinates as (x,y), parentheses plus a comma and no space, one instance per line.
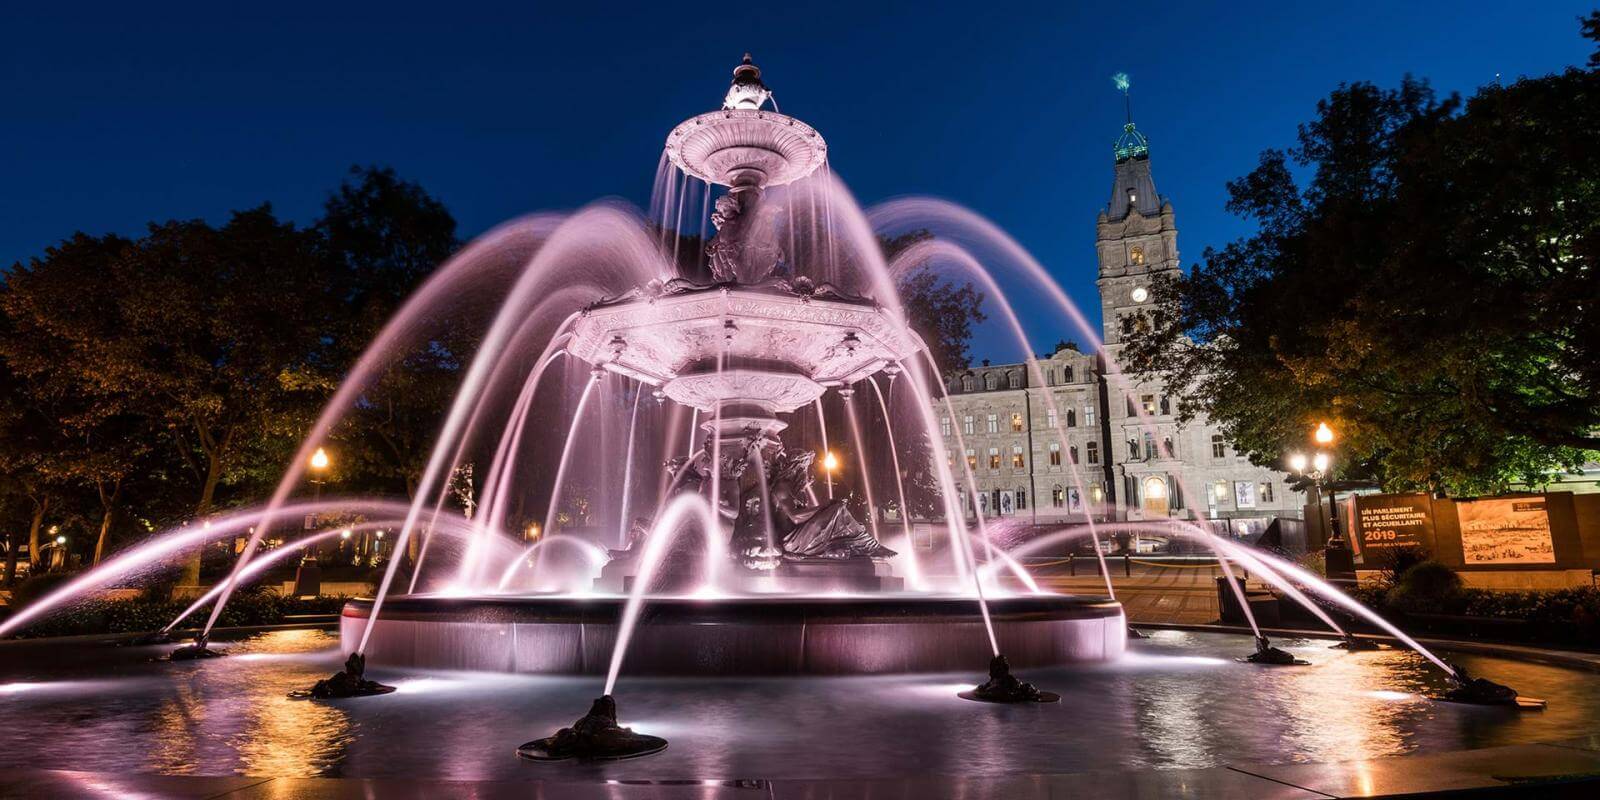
(36,586)
(1428,586)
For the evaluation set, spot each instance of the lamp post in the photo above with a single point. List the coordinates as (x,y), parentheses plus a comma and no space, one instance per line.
(308,576)
(1340,562)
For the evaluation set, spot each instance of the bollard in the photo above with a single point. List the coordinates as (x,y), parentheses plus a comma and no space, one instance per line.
(1127,565)
(1072,563)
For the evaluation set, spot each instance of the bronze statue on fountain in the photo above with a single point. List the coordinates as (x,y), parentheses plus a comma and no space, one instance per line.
(775,527)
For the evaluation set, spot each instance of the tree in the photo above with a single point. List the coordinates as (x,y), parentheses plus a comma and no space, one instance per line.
(1430,290)
(941,311)
(201,341)
(385,235)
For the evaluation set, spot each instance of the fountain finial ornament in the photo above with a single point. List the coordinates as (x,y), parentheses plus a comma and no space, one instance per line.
(747,91)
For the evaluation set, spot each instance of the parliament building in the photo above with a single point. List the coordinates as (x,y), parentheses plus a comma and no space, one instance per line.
(1123,455)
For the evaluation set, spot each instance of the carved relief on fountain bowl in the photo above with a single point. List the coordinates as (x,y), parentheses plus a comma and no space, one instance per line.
(774,392)
(807,343)
(746,147)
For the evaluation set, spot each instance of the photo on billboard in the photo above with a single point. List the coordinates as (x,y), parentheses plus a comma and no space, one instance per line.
(1506,530)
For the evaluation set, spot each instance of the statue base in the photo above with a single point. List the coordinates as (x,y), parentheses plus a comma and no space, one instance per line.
(194,652)
(1003,687)
(596,737)
(1268,656)
(1484,692)
(348,682)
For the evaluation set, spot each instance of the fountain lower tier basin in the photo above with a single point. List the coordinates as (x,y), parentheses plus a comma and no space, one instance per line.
(735,636)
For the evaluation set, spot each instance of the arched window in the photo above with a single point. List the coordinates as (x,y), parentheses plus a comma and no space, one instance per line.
(1067,371)
(1055,454)
(966,383)
(1073,453)
(1016,379)
(1072,418)
(988,380)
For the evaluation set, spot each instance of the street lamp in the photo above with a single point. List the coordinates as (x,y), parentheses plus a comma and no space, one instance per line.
(1318,468)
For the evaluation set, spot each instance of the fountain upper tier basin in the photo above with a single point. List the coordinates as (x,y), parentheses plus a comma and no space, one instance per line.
(781,346)
(736,636)
(746,147)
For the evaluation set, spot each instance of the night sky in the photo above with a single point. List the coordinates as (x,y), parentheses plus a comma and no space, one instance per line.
(123,115)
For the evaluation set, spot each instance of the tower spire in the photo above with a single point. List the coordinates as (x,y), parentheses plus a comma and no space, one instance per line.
(1123,84)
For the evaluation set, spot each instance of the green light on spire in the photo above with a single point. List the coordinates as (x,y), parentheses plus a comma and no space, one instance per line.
(1132,143)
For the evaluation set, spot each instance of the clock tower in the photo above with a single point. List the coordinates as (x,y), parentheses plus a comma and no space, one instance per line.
(1136,238)
(1137,241)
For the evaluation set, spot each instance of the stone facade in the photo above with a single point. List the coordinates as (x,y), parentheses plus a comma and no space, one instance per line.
(1132,458)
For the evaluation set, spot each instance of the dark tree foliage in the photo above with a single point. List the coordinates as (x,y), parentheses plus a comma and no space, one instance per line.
(148,381)
(386,235)
(1430,289)
(941,311)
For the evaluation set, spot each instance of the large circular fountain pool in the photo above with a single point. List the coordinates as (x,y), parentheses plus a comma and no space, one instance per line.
(1175,700)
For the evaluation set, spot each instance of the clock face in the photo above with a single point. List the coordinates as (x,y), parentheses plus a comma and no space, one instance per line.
(1140,294)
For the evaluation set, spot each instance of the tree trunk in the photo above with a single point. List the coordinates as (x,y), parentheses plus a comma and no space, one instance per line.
(35,555)
(191,568)
(108,502)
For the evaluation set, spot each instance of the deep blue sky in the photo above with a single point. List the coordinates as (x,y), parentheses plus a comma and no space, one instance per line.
(120,115)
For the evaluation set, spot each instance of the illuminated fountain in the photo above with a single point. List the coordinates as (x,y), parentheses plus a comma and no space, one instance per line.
(800,584)
(718,554)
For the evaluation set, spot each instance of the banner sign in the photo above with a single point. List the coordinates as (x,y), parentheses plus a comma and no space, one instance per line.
(1388,522)
(1506,530)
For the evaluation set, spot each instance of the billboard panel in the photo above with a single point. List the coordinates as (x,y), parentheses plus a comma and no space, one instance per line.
(1506,530)
(1389,522)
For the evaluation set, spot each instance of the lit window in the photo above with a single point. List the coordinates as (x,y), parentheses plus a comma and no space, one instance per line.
(1057,496)
(993,423)
(972,459)
(1016,456)
(994,458)
(1218,448)
(1055,454)
(1149,403)
(1016,423)
(1136,255)
(1093,450)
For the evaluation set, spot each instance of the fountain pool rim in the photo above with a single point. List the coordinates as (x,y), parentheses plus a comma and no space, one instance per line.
(816,635)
